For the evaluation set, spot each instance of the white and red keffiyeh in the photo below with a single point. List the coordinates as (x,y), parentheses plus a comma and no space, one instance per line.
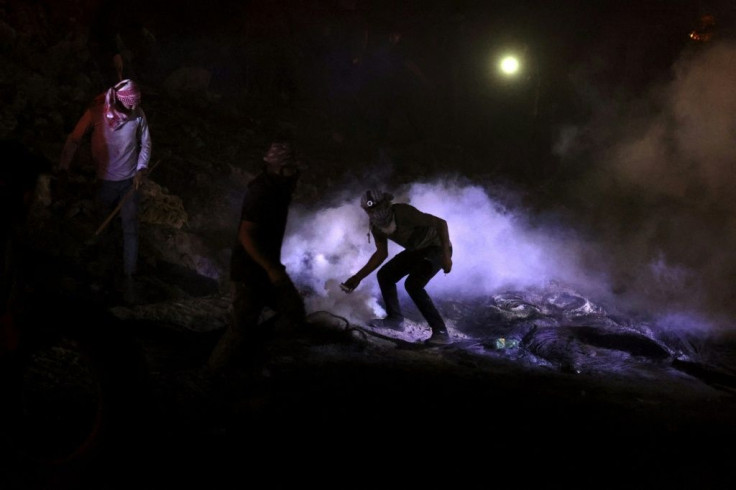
(128,94)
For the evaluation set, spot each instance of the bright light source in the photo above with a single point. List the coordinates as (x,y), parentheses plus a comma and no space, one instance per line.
(509,65)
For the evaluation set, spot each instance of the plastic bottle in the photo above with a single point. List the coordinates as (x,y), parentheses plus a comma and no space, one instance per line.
(504,343)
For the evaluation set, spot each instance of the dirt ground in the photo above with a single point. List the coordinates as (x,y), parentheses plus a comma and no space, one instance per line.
(331,408)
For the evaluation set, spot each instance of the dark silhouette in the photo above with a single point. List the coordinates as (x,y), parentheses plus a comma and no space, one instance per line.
(259,278)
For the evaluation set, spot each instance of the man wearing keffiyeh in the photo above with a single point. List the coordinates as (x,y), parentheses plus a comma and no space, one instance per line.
(121,150)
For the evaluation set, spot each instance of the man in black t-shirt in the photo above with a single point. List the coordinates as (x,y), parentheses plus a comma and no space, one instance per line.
(259,278)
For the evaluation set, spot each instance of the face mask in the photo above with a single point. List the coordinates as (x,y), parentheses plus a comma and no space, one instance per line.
(285,183)
(381,215)
(289,172)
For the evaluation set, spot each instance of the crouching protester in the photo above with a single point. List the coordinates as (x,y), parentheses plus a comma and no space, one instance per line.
(427,249)
(259,279)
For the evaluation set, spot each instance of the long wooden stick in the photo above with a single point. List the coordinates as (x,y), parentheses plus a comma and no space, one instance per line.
(120,204)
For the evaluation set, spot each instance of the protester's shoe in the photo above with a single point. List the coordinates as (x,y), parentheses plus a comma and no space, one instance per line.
(392,323)
(439,337)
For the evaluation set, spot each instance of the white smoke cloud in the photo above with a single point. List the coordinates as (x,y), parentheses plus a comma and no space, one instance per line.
(494,249)
(649,215)
(657,176)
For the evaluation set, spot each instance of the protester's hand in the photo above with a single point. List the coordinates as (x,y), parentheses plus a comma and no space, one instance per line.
(139,176)
(278,275)
(447,264)
(349,285)
(290,305)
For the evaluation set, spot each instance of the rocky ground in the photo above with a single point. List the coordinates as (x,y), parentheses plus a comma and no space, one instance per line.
(114,395)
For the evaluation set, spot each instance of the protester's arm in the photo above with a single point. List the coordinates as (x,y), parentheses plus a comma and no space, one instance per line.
(145,145)
(373,262)
(248,236)
(144,151)
(74,140)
